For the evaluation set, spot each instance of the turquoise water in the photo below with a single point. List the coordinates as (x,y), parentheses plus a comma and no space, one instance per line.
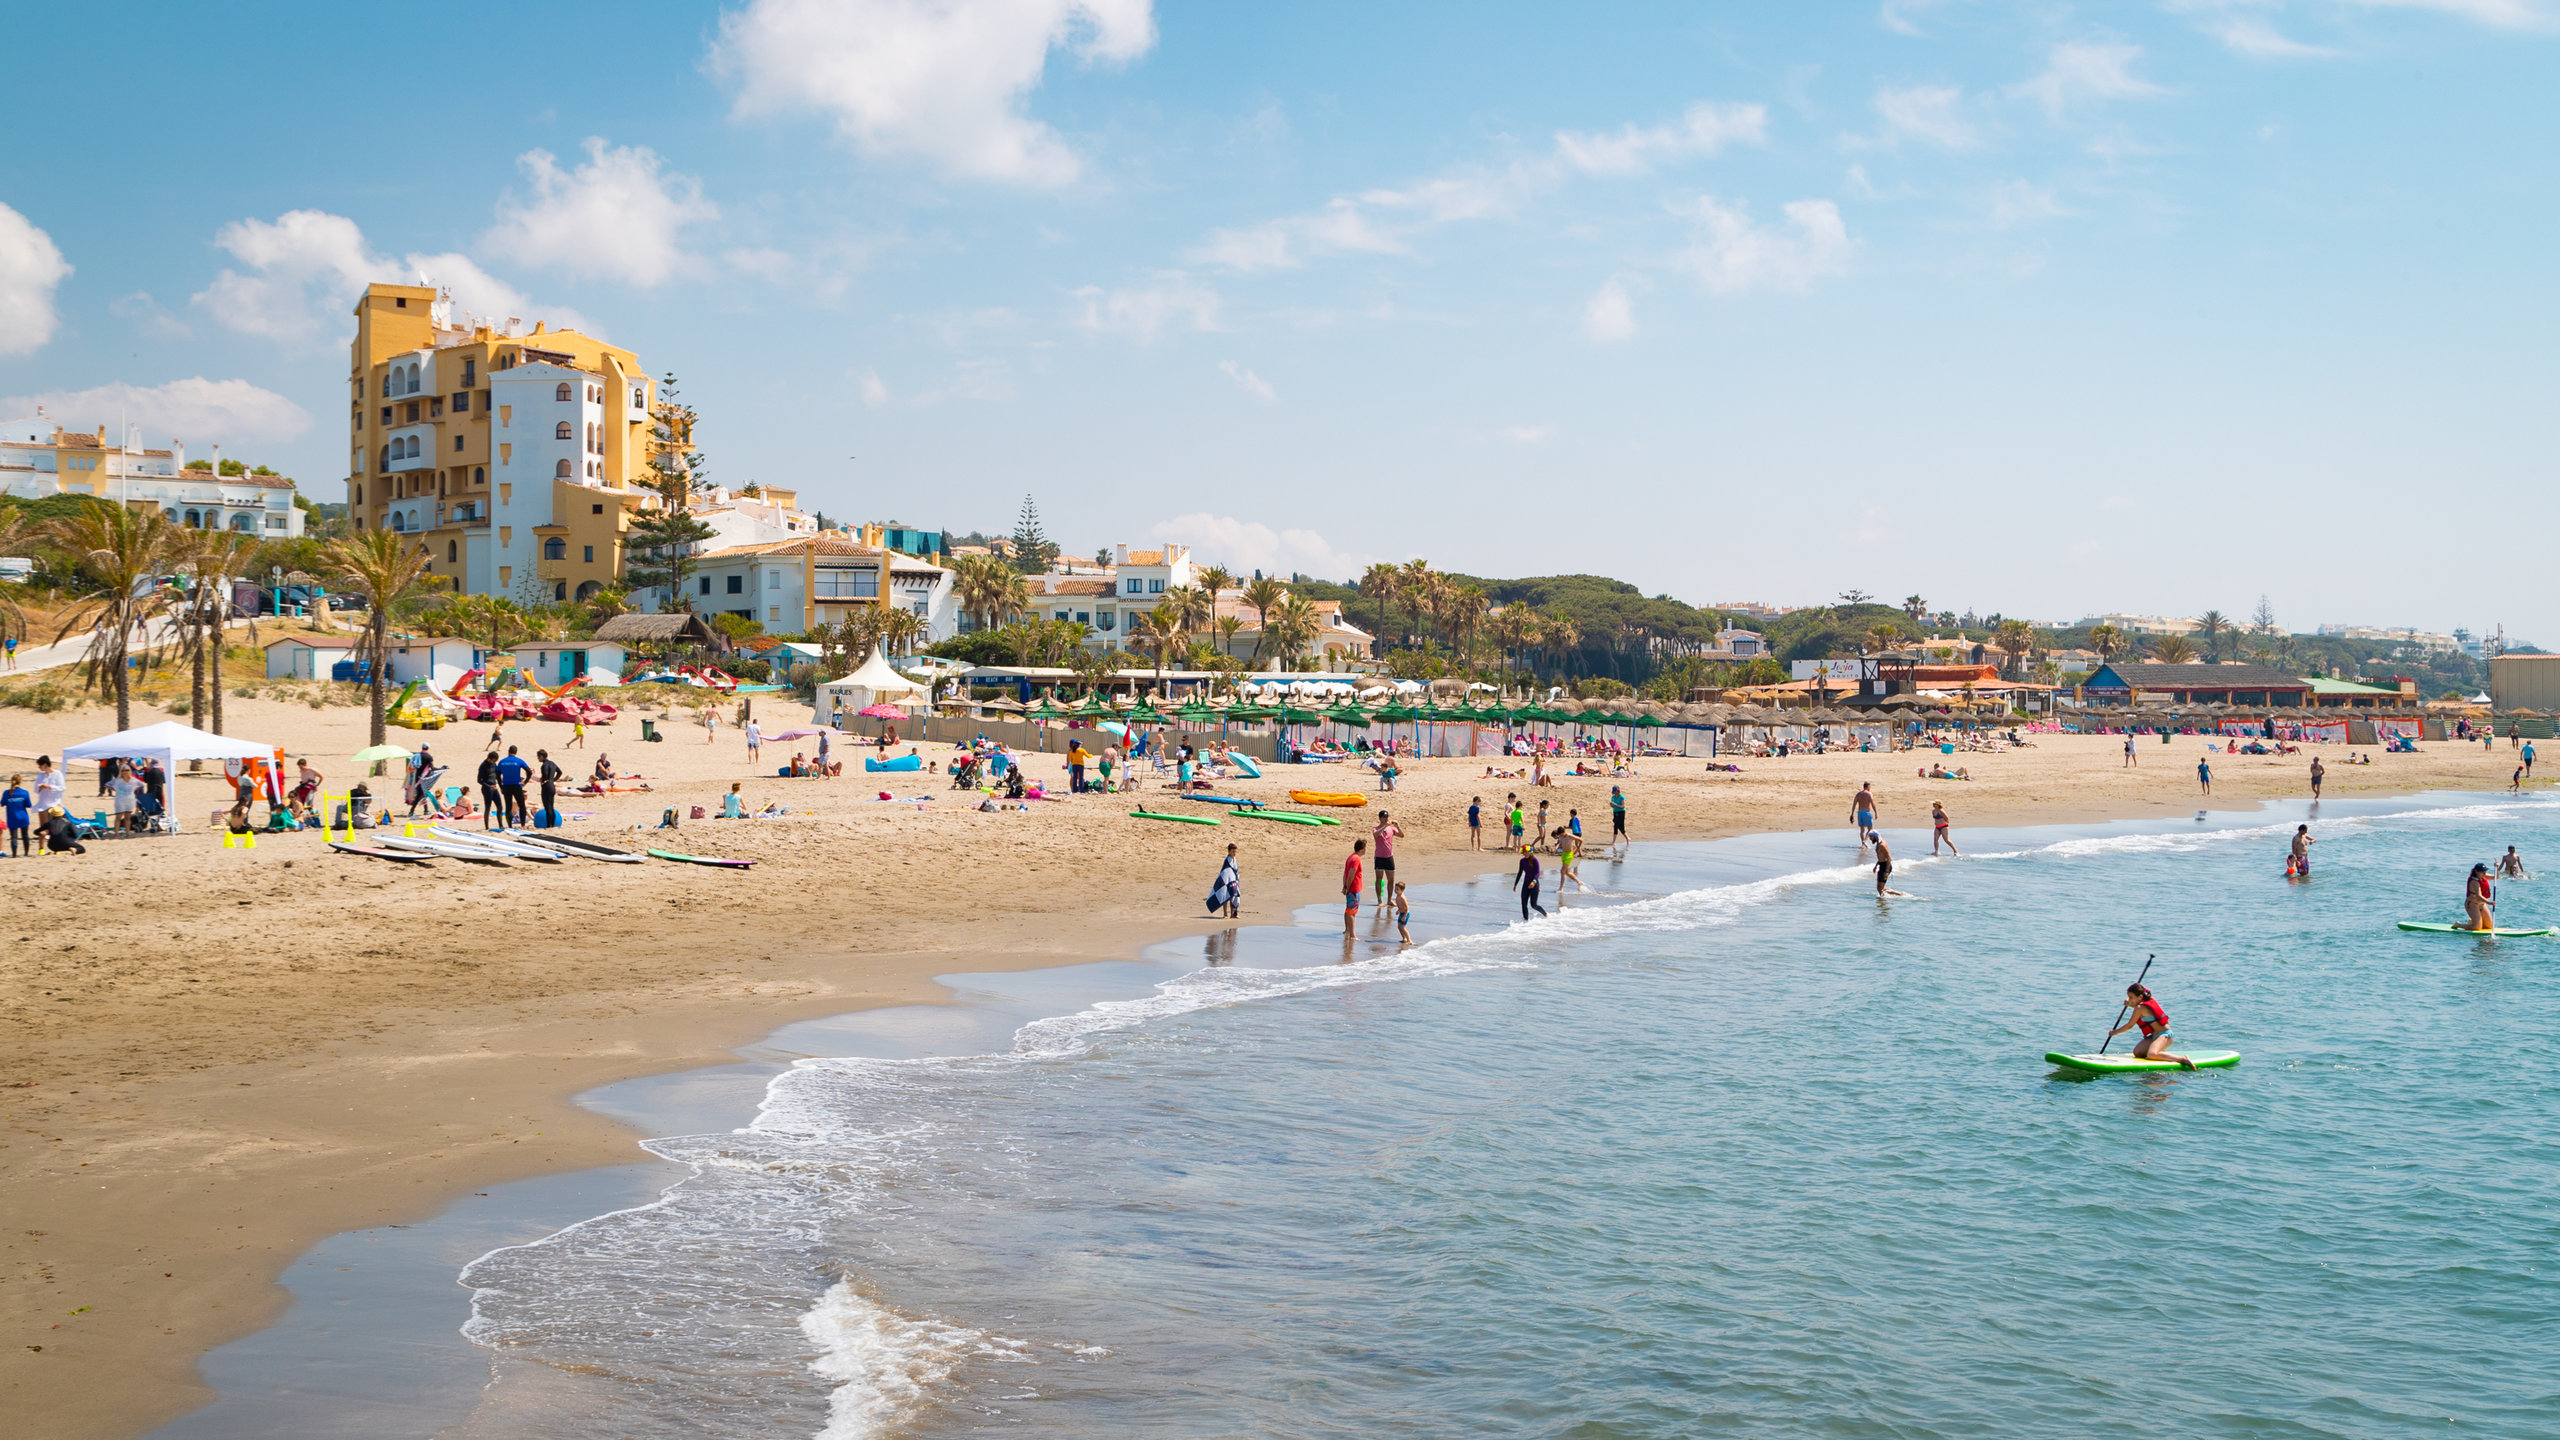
(1731,1147)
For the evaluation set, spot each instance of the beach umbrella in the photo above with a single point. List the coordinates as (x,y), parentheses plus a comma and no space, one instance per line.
(371,753)
(1004,704)
(1045,710)
(883,712)
(1143,713)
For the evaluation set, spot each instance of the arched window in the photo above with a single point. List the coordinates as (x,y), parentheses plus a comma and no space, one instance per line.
(452,551)
(563,392)
(560,590)
(560,431)
(386,459)
(397,522)
(587,589)
(479,475)
(413,381)
(563,470)
(195,520)
(555,548)
(244,522)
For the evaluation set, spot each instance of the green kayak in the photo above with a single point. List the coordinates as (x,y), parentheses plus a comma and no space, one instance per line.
(1176,819)
(2120,1064)
(2425,927)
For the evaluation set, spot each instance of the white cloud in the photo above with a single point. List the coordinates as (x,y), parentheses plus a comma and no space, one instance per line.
(1729,253)
(1146,311)
(875,391)
(148,315)
(302,272)
(1933,113)
(2015,202)
(1899,16)
(1245,546)
(1385,221)
(1703,130)
(1250,383)
(2086,70)
(2258,40)
(2497,14)
(619,216)
(30,266)
(1527,434)
(202,412)
(941,80)
(1609,316)
(764,262)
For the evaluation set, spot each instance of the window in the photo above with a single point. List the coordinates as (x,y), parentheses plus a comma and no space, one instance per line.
(399,302)
(737,584)
(706,584)
(275,522)
(639,397)
(591,554)
(846,584)
(243,522)
(468,363)
(1137,586)
(1155,587)
(563,392)
(772,613)
(386,414)
(479,474)
(1107,620)
(1083,619)
(359,387)
(562,470)
(457,444)
(435,408)
(195,520)
(773,579)
(560,591)
(386,459)
(555,548)
(596,509)
(413,412)
(452,551)
(462,399)
(359,494)
(561,431)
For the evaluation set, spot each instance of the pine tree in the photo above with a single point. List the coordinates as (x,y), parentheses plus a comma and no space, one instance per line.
(1033,551)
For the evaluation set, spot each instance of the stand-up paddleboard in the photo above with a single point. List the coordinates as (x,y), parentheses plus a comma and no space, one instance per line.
(582,849)
(2123,1064)
(493,841)
(2424,927)
(702,860)
(476,854)
(1223,799)
(1286,817)
(370,853)
(1177,819)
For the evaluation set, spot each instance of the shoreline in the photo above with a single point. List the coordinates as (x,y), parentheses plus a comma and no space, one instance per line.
(260,1160)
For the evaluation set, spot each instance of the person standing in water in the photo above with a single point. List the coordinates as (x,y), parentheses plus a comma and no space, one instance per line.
(1884,869)
(2479,900)
(1351,886)
(1938,829)
(1404,917)
(2154,1023)
(1525,880)
(2298,863)
(2511,863)
(1382,854)
(1862,813)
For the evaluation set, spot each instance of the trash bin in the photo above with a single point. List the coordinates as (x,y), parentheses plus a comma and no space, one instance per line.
(649,729)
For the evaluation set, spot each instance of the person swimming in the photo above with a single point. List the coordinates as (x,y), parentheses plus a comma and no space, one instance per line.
(2154,1023)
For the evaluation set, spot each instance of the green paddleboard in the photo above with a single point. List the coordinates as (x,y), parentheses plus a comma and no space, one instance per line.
(2120,1064)
(2425,927)
(1176,819)
(1288,817)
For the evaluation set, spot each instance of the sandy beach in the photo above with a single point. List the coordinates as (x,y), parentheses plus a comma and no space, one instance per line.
(217,1057)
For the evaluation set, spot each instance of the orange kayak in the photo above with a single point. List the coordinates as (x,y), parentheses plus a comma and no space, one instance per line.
(1319,797)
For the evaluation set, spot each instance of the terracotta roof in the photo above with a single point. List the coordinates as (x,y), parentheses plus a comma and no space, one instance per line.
(1145,557)
(1076,587)
(815,544)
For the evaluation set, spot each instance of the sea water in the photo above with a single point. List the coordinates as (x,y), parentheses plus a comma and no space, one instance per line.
(1727,1146)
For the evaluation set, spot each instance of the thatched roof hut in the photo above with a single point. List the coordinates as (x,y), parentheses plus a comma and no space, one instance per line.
(683,628)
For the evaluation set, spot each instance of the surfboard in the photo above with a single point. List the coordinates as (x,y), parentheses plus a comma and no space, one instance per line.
(2424,927)
(372,854)
(702,860)
(2123,1064)
(1177,819)
(585,849)
(1286,817)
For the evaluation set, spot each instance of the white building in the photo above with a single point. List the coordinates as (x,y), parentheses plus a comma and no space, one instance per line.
(35,464)
(796,586)
(1111,600)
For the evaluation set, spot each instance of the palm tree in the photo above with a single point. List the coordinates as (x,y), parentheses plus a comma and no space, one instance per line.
(209,558)
(1467,609)
(899,629)
(1914,609)
(1264,594)
(1882,634)
(1384,583)
(2108,641)
(2015,638)
(1514,626)
(1293,629)
(989,590)
(13,531)
(2173,650)
(2217,631)
(1416,589)
(1227,626)
(608,602)
(1160,630)
(1192,606)
(1558,633)
(123,550)
(1217,580)
(381,567)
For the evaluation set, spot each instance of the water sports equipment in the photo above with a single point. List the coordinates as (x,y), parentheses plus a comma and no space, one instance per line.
(701,859)
(2425,927)
(2123,1064)
(1224,799)
(1146,814)
(903,762)
(578,848)
(1286,817)
(1325,797)
(370,853)
(476,854)
(489,840)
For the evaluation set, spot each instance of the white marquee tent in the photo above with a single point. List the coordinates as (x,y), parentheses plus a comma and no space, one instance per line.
(875,683)
(168,742)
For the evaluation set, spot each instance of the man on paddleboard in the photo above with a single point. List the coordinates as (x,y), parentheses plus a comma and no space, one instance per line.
(2155,1027)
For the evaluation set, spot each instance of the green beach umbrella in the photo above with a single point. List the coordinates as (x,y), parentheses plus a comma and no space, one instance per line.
(371,753)
(1045,710)
(1143,713)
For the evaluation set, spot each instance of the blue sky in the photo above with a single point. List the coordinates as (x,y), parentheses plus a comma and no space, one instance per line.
(2039,308)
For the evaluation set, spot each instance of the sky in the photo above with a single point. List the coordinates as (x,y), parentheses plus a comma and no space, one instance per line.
(2047,309)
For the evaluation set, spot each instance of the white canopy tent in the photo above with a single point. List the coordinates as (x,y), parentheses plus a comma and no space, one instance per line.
(168,742)
(875,683)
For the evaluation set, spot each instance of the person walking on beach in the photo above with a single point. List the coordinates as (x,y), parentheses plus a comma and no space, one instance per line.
(578,737)
(2479,900)
(755,742)
(2154,1023)
(1475,822)
(1351,886)
(2318,773)
(710,723)
(549,774)
(1862,813)
(1568,858)
(11,646)
(2204,775)
(1382,853)
(2298,862)
(2515,781)
(1228,890)
(2528,759)
(1617,816)
(21,812)
(492,804)
(1525,880)
(2129,759)
(1938,829)
(511,776)
(1538,836)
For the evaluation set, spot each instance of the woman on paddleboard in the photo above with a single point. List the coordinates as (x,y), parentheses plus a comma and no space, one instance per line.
(2480,900)
(2155,1027)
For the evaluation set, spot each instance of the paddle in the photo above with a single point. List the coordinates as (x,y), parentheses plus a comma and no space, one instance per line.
(2111,1029)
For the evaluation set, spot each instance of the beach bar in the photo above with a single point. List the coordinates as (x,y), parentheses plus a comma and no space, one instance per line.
(2118,683)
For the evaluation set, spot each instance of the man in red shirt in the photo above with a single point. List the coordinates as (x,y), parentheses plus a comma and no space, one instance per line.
(1351,885)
